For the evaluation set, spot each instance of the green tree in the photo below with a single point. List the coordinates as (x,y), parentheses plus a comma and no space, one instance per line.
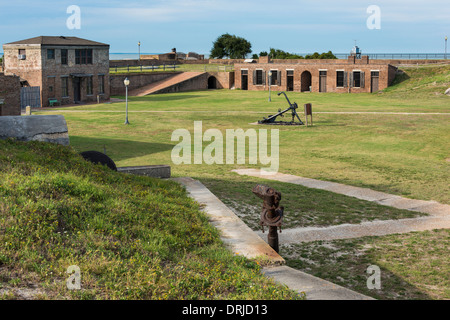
(230,46)
(280,54)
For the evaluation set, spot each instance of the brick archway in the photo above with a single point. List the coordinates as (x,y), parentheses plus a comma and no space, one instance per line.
(212,82)
(305,80)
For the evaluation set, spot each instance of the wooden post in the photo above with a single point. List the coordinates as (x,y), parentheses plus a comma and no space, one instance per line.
(308,112)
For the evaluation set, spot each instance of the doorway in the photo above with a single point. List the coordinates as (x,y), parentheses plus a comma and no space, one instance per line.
(76,89)
(322,81)
(290,80)
(212,82)
(305,81)
(244,79)
(374,79)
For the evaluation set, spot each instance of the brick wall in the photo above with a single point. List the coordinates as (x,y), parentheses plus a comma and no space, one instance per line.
(53,73)
(224,80)
(10,94)
(39,71)
(137,80)
(385,75)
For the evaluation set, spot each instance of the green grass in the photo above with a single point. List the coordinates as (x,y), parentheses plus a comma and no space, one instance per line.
(403,154)
(169,68)
(132,237)
(413,266)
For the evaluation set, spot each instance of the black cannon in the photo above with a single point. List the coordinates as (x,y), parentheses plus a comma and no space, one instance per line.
(292,107)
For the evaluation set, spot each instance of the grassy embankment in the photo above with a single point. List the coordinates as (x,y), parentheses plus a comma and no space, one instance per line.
(132,237)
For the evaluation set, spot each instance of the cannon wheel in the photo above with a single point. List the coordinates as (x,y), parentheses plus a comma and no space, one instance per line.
(98,157)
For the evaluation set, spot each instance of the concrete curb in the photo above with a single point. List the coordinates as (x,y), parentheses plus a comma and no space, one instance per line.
(243,240)
(235,233)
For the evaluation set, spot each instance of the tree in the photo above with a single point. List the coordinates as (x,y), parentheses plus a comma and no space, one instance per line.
(230,46)
(280,54)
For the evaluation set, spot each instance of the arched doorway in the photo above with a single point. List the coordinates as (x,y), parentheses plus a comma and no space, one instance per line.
(212,82)
(305,81)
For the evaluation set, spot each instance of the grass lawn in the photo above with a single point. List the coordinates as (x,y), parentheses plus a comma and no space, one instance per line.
(413,266)
(403,154)
(132,237)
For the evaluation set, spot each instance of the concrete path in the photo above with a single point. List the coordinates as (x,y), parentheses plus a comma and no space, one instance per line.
(439,214)
(430,207)
(242,240)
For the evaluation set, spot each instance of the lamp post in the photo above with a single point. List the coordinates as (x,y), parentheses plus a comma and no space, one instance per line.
(270,83)
(139,50)
(445,56)
(126,82)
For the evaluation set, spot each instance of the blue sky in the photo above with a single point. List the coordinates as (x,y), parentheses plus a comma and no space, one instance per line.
(189,25)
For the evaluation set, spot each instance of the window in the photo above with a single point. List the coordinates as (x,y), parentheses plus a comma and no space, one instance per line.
(274,77)
(356,79)
(51,86)
(64,56)
(101,84)
(50,54)
(22,54)
(89,86)
(244,71)
(259,78)
(340,83)
(65,86)
(290,72)
(83,56)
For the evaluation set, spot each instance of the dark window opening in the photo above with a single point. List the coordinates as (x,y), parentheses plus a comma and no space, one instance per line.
(340,79)
(259,77)
(64,56)
(356,79)
(83,56)
(274,78)
(101,84)
(65,87)
(50,54)
(89,86)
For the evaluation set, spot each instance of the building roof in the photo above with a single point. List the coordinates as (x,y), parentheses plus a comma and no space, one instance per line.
(59,41)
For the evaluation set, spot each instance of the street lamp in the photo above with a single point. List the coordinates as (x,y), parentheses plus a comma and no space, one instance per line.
(270,83)
(126,82)
(445,56)
(139,50)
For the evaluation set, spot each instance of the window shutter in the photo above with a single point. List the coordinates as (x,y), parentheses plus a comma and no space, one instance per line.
(264,77)
(363,79)
(254,77)
(279,77)
(345,79)
(351,80)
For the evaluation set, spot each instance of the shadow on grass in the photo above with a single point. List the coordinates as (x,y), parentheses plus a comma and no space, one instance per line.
(345,263)
(116,149)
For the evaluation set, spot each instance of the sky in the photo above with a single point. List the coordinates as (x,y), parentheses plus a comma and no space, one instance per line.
(297,26)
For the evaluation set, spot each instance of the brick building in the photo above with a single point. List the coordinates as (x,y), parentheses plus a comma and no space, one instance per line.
(66,69)
(328,75)
(9,95)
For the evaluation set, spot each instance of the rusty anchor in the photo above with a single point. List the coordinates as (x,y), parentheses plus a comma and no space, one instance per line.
(272,212)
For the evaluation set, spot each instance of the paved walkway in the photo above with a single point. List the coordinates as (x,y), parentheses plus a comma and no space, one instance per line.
(242,240)
(439,214)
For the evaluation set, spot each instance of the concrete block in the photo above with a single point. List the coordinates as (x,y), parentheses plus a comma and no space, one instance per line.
(155,171)
(46,128)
